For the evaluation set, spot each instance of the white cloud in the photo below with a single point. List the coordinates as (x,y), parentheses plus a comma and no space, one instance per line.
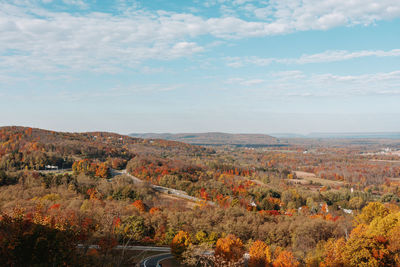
(117,92)
(240,2)
(252,82)
(78,3)
(236,64)
(325,14)
(96,42)
(297,83)
(184,49)
(244,82)
(327,56)
(150,70)
(285,16)
(288,75)
(36,39)
(330,56)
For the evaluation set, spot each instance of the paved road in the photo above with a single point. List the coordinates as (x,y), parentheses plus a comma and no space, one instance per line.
(162,189)
(154,261)
(136,248)
(59,171)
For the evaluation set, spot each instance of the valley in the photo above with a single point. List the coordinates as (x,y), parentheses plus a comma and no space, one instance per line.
(114,192)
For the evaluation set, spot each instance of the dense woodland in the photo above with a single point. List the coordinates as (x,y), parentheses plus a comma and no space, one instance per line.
(255,201)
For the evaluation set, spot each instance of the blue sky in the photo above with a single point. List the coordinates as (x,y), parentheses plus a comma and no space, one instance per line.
(195,66)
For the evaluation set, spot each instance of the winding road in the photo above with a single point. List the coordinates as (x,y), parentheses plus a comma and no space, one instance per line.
(136,248)
(154,261)
(162,189)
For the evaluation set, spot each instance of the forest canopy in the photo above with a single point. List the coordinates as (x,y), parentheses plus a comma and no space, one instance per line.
(336,205)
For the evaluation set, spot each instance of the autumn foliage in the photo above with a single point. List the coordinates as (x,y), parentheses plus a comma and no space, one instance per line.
(39,239)
(230,249)
(138,204)
(373,242)
(260,254)
(285,259)
(347,214)
(154,210)
(180,243)
(89,167)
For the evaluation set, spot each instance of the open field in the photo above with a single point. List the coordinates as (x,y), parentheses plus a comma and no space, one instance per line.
(311,177)
(385,160)
(174,201)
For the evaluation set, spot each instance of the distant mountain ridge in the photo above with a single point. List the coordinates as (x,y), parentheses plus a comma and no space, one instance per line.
(344,135)
(213,138)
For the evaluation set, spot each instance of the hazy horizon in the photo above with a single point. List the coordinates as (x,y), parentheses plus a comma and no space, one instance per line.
(226,66)
(305,134)
(277,123)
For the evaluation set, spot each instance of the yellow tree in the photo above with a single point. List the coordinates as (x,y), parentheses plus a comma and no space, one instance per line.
(180,243)
(381,226)
(372,211)
(365,250)
(260,254)
(394,244)
(333,254)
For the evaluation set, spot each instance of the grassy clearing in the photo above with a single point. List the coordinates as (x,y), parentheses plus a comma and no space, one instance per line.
(311,177)
(177,201)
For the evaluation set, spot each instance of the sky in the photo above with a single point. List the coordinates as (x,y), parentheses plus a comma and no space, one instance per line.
(239,66)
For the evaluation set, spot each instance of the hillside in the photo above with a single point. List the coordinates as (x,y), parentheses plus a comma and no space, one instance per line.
(111,190)
(98,145)
(214,138)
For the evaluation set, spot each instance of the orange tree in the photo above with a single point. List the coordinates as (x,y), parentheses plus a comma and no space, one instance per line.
(260,254)
(285,259)
(333,253)
(229,249)
(180,243)
(138,204)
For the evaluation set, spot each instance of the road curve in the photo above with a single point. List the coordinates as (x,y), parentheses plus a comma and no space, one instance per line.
(154,261)
(120,247)
(162,189)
